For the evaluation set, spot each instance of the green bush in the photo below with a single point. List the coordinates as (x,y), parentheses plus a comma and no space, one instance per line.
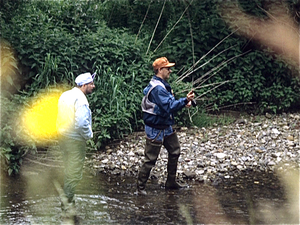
(116,103)
(53,51)
(13,144)
(54,41)
(258,80)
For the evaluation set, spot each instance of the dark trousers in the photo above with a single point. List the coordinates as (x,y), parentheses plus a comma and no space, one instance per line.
(152,150)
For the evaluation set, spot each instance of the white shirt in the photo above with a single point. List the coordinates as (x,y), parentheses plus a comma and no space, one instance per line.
(74,119)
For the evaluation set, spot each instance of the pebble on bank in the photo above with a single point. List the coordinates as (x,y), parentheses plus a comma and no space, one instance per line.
(214,153)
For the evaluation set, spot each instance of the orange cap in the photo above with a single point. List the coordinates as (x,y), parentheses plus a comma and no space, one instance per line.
(162,62)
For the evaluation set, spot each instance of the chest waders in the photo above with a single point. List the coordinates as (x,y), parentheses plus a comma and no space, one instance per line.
(73,158)
(152,150)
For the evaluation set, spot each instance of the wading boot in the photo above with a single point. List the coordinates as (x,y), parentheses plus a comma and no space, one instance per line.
(152,150)
(172,145)
(171,183)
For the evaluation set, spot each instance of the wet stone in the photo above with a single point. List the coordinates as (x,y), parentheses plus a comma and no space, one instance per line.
(189,174)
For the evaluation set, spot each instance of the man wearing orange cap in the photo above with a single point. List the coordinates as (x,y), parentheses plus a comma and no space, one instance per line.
(158,107)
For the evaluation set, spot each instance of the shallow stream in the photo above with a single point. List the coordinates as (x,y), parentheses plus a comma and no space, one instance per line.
(31,198)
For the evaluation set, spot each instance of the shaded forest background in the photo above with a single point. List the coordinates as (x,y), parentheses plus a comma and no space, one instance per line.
(46,44)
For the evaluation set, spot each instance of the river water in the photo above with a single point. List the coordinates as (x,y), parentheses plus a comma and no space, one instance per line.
(31,198)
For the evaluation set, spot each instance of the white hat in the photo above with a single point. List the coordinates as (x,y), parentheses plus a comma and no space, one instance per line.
(84,78)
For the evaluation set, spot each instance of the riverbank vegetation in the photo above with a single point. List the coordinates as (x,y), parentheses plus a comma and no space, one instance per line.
(46,44)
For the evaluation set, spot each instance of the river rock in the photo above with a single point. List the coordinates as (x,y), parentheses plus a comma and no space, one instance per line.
(211,152)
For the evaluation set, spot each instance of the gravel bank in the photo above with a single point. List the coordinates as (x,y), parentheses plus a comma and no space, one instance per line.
(215,153)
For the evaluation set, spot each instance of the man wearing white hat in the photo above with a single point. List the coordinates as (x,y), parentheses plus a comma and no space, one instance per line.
(74,125)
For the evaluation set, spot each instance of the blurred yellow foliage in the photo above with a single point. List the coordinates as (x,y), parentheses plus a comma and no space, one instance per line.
(39,118)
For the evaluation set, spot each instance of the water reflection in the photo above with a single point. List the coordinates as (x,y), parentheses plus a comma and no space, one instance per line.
(31,198)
